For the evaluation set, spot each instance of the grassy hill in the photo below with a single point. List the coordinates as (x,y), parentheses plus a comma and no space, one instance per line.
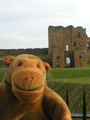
(75,95)
(75,79)
(72,75)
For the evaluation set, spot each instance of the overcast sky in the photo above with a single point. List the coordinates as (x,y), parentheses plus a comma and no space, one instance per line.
(24,23)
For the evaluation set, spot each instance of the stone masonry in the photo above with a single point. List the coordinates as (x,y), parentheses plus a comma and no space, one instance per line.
(68,42)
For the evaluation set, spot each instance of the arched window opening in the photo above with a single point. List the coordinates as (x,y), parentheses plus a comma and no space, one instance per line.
(66,47)
(88,44)
(74,43)
(68,62)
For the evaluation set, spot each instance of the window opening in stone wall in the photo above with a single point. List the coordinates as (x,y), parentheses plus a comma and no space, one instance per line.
(79,35)
(74,43)
(80,57)
(66,47)
(68,62)
(80,61)
(88,44)
(58,57)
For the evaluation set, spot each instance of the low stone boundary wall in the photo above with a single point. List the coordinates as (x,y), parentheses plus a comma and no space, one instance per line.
(15,52)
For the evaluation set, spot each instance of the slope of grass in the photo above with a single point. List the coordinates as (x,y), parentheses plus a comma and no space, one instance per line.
(72,75)
(75,95)
(75,79)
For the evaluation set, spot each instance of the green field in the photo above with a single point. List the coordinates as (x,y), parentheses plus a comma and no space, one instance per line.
(75,79)
(71,75)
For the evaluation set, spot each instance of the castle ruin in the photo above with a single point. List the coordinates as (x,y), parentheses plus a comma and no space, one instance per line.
(68,47)
(68,43)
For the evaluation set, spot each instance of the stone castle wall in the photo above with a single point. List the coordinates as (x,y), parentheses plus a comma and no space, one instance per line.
(88,50)
(15,52)
(79,38)
(75,39)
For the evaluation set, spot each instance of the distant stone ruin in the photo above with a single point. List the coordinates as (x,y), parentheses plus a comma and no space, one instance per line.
(68,46)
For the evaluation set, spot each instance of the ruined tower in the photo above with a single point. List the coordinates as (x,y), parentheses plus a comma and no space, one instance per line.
(68,43)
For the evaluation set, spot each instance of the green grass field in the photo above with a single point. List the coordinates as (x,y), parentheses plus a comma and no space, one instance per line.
(75,79)
(71,75)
